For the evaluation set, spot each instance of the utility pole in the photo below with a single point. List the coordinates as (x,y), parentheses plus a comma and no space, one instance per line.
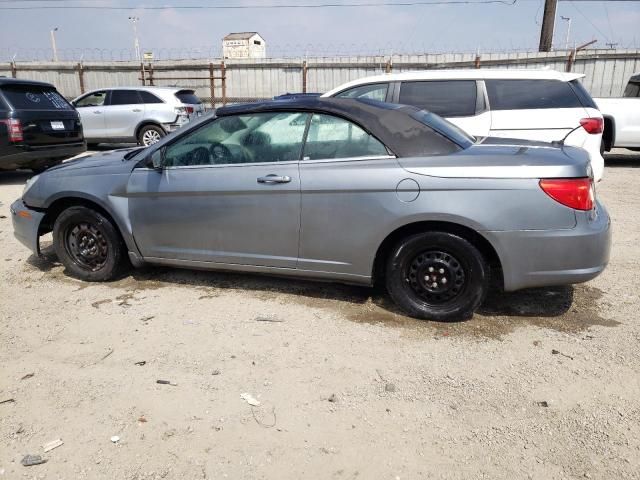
(548,23)
(136,43)
(53,44)
(568,20)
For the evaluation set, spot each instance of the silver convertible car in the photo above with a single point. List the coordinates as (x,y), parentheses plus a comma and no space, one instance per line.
(351,191)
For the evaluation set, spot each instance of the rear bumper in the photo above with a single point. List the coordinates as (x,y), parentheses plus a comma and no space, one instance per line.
(24,155)
(26,225)
(538,258)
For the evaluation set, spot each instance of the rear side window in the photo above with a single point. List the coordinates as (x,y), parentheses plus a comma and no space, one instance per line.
(148,97)
(188,96)
(530,94)
(582,94)
(34,97)
(448,98)
(632,90)
(333,137)
(376,91)
(125,97)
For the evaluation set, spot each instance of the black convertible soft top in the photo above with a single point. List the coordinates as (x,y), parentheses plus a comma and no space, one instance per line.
(404,129)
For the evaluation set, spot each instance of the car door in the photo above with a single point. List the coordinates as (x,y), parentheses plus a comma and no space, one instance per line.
(543,110)
(91,109)
(348,184)
(228,192)
(125,110)
(462,102)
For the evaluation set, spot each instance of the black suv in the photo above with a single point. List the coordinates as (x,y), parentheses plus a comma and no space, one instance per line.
(38,127)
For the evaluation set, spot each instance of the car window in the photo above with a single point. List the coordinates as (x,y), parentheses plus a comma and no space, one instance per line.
(148,97)
(530,94)
(376,91)
(238,139)
(34,97)
(95,99)
(632,90)
(124,97)
(333,137)
(583,95)
(188,96)
(447,98)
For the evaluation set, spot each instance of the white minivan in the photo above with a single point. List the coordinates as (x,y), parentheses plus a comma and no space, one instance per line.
(542,105)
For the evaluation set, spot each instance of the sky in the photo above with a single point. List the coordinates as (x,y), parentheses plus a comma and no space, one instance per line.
(311,31)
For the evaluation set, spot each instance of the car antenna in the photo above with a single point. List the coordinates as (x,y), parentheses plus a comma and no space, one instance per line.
(561,142)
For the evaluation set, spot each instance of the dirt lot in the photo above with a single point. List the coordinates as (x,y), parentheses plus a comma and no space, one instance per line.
(348,388)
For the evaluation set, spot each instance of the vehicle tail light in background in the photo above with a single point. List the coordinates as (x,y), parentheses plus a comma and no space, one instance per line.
(577,193)
(184,110)
(592,124)
(14,129)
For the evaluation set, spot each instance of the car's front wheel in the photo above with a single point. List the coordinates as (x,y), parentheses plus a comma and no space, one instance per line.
(150,134)
(437,276)
(88,244)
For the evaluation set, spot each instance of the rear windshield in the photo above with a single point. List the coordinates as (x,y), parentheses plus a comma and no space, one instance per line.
(445,128)
(582,94)
(188,96)
(34,97)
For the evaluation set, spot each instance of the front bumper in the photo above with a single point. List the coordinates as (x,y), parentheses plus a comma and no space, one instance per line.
(26,225)
(540,258)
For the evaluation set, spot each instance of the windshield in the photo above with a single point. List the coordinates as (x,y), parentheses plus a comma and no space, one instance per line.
(444,127)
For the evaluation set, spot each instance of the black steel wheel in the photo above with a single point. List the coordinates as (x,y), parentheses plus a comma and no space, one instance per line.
(88,244)
(437,276)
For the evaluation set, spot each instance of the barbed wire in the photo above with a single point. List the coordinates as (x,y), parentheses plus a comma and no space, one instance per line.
(298,51)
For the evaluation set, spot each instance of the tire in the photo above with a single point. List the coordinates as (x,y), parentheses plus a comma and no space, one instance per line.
(150,134)
(102,255)
(456,268)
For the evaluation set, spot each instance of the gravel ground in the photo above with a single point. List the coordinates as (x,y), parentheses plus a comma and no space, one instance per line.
(348,387)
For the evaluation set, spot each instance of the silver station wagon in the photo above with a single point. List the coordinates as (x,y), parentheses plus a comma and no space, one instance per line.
(352,191)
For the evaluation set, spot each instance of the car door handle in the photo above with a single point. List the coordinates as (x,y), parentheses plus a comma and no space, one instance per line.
(274,179)
(97,111)
(136,110)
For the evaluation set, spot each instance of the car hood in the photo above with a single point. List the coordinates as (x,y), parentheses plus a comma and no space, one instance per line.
(108,161)
(505,158)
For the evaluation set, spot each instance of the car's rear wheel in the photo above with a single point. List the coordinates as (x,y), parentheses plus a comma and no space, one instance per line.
(437,276)
(150,134)
(88,245)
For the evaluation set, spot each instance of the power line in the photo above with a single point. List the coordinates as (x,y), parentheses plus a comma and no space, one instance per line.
(262,7)
(606,37)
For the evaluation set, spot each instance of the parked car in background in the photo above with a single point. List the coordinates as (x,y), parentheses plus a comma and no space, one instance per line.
(136,114)
(351,191)
(542,105)
(622,117)
(38,127)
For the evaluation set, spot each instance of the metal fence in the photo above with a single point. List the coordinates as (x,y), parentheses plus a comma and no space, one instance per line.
(219,82)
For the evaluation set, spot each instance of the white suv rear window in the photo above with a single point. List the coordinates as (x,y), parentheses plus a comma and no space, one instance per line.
(530,94)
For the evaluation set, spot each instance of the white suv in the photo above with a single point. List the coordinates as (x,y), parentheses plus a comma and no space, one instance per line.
(542,105)
(135,114)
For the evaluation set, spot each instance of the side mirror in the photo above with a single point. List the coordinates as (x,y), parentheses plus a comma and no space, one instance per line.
(157,159)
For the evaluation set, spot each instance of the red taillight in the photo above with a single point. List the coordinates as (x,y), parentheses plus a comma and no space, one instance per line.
(189,109)
(575,193)
(14,129)
(592,125)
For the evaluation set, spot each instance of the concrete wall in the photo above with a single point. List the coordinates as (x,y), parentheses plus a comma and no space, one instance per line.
(606,72)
